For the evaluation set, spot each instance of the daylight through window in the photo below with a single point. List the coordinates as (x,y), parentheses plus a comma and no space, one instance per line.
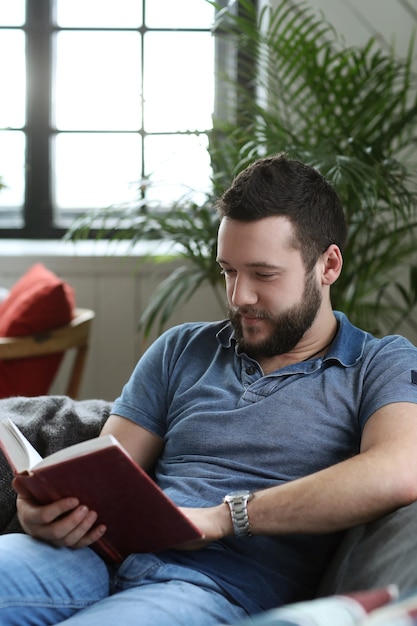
(102,97)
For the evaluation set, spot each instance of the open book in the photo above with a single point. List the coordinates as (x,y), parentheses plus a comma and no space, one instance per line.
(99,472)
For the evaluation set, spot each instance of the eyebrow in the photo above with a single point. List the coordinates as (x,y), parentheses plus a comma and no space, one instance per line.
(262,264)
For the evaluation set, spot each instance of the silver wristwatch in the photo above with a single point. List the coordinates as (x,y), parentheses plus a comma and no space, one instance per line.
(238,505)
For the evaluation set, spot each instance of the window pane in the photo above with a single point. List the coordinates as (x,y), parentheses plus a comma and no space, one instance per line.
(178,85)
(179,14)
(177,165)
(96,170)
(99,13)
(12,12)
(12,168)
(12,72)
(98,81)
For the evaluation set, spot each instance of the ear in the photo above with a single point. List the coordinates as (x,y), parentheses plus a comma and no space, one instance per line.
(332,264)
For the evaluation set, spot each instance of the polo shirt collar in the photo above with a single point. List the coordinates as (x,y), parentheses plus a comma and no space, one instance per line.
(349,344)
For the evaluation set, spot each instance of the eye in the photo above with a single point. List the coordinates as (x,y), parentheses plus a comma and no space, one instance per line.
(266,275)
(227,272)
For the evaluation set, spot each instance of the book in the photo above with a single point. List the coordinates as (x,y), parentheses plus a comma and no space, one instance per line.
(138,515)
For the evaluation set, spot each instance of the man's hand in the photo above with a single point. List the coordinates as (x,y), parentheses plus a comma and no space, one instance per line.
(62,523)
(214,522)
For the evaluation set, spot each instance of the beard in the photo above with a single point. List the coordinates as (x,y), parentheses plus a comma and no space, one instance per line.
(288,327)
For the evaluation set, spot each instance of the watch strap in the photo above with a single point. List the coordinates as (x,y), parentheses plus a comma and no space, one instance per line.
(238,505)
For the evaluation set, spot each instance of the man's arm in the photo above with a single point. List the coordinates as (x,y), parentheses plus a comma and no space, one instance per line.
(142,445)
(381,478)
(68,522)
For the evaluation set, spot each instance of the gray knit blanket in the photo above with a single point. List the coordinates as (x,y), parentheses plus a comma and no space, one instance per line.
(50,423)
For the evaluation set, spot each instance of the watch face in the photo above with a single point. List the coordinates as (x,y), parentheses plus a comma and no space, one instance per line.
(240,493)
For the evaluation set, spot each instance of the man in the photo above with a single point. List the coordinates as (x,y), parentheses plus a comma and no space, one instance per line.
(312,420)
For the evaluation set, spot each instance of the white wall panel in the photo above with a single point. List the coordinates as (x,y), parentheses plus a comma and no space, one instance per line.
(117,289)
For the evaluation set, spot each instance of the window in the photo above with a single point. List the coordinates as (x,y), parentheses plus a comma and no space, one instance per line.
(104,98)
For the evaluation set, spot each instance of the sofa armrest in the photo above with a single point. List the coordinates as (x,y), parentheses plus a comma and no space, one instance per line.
(376,554)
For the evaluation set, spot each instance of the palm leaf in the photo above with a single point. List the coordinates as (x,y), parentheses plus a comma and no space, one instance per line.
(351,112)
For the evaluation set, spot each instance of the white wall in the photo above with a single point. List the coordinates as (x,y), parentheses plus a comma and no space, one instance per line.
(391,22)
(117,288)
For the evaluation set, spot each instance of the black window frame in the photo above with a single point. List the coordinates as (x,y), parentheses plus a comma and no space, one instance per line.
(38,214)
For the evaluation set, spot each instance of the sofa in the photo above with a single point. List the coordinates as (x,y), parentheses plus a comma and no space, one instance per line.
(371,556)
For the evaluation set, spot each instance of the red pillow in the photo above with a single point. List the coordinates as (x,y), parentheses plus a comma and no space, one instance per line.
(39,301)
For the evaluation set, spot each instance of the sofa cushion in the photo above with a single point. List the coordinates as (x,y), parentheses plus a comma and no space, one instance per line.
(38,302)
(376,554)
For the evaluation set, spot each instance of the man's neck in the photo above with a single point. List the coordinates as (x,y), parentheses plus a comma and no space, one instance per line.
(314,344)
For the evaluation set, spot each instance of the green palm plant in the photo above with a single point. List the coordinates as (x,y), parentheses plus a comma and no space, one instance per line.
(352,113)
(190,232)
(349,111)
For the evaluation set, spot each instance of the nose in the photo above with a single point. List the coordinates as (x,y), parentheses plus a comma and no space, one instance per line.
(242,292)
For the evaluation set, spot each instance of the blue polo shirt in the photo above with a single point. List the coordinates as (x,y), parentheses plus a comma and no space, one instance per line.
(227,426)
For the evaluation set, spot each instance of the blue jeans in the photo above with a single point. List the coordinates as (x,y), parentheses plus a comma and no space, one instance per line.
(42,585)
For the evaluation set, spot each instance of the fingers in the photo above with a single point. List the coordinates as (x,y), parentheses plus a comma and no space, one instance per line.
(62,523)
(20,489)
(32,513)
(76,529)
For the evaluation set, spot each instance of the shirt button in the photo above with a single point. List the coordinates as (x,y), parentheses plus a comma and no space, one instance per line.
(251,370)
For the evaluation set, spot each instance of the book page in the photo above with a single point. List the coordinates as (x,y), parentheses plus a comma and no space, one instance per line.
(78,449)
(18,450)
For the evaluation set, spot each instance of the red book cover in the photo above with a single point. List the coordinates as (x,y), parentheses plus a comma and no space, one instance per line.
(138,515)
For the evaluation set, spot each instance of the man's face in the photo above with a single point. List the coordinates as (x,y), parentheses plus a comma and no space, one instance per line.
(272,302)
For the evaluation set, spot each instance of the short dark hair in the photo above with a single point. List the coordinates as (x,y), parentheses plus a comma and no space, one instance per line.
(279,185)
